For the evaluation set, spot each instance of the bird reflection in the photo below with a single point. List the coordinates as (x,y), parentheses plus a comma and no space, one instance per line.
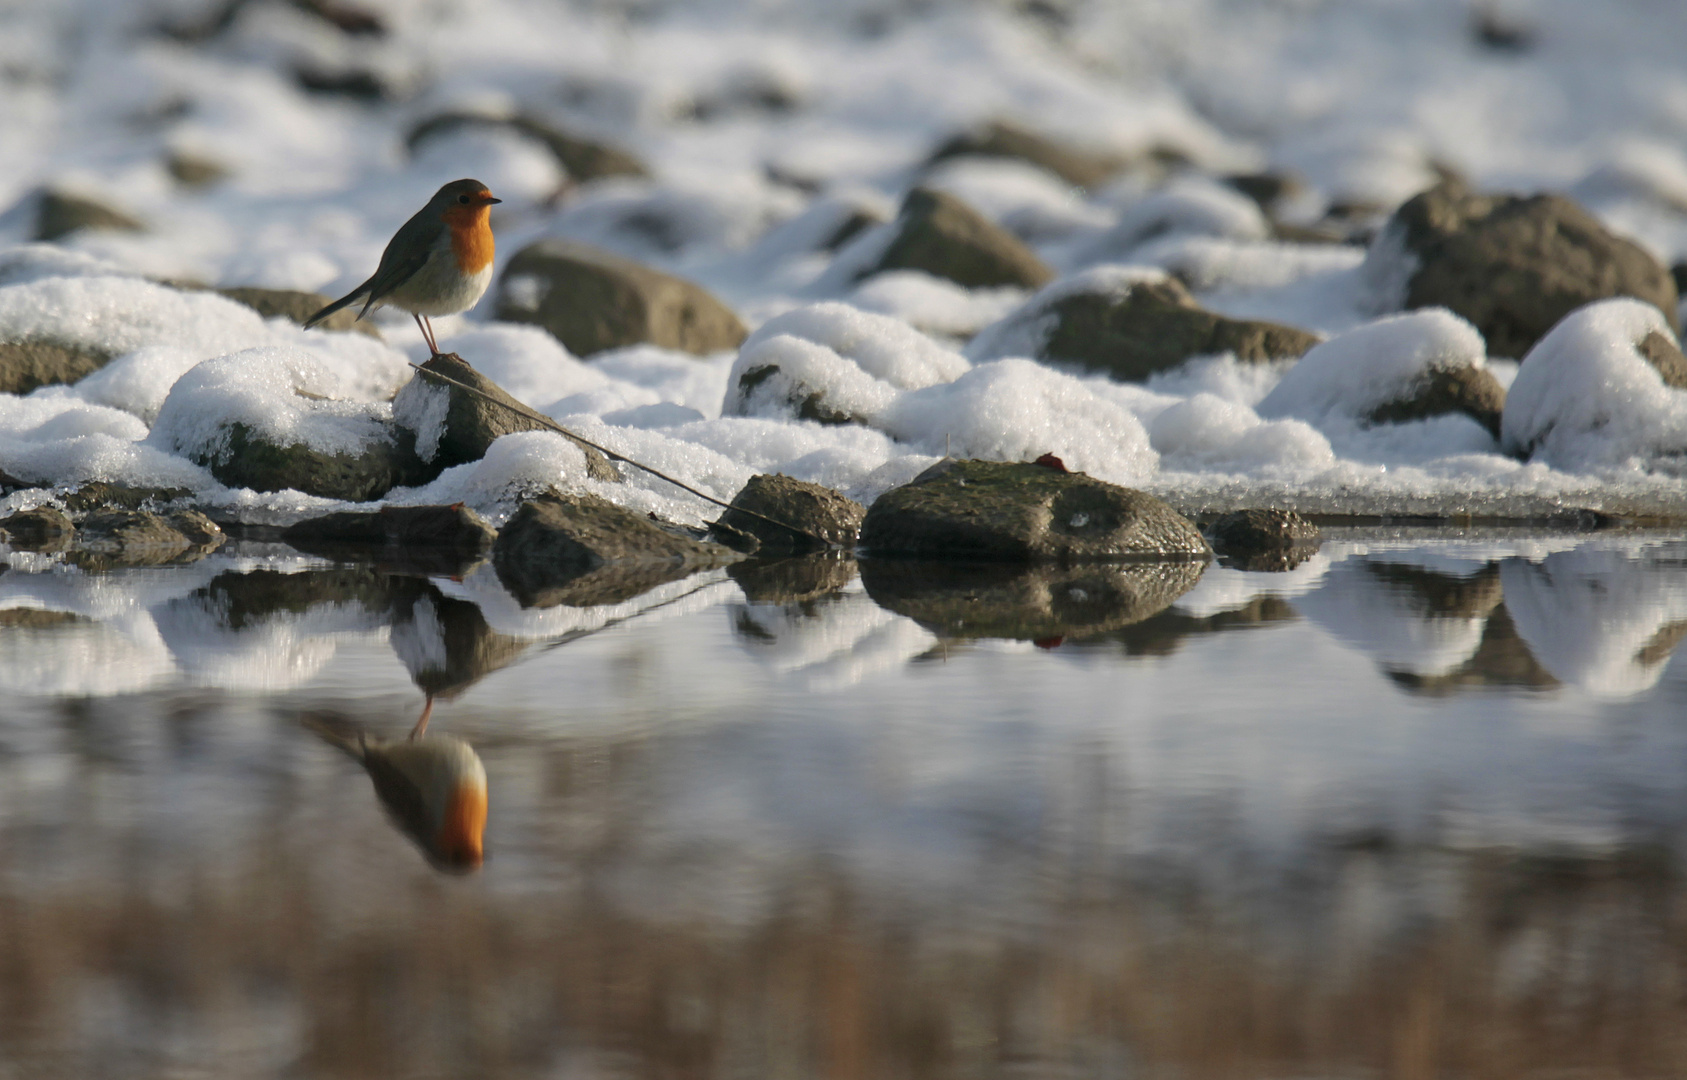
(433,786)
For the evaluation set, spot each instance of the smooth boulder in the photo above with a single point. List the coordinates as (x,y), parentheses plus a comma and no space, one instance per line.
(25,365)
(254,461)
(453,426)
(818,517)
(1001,139)
(940,235)
(1264,539)
(1472,391)
(1023,512)
(591,300)
(1131,330)
(60,213)
(454,531)
(582,550)
(1512,265)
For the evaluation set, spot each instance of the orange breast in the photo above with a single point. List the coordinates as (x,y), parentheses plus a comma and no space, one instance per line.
(471,237)
(465,821)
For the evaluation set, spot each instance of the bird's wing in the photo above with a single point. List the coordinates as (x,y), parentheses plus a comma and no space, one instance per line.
(406,253)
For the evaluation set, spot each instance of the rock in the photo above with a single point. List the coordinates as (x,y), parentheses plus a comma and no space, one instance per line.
(592,300)
(25,365)
(940,235)
(582,549)
(1040,603)
(251,461)
(584,159)
(1081,168)
(41,529)
(460,426)
(1472,391)
(60,214)
(1264,540)
(999,511)
(194,171)
(1130,329)
(454,530)
(118,538)
(200,530)
(242,599)
(1265,188)
(359,84)
(1666,356)
(823,516)
(796,580)
(102,495)
(1513,266)
(296,305)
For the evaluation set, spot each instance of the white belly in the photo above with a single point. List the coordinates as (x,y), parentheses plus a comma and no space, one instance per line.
(438,289)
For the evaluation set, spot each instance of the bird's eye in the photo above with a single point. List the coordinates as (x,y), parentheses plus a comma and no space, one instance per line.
(464,199)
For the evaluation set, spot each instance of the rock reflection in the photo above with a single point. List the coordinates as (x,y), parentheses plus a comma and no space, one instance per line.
(433,787)
(1411,620)
(1037,603)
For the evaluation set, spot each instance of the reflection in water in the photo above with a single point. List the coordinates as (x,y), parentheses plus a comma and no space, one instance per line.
(745,833)
(433,786)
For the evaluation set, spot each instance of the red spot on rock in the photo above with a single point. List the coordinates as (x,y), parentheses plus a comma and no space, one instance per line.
(1055,641)
(1049,461)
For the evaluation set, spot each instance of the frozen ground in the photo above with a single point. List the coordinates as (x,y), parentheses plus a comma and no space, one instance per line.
(1365,100)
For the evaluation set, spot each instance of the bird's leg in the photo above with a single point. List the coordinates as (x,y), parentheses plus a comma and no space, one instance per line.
(426,328)
(422,721)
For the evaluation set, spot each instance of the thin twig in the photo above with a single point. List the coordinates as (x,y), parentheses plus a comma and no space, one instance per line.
(521,409)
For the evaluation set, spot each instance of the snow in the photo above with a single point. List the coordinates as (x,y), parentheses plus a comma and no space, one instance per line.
(766,129)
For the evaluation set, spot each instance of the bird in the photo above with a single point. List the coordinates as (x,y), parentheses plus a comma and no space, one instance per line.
(433,786)
(437,263)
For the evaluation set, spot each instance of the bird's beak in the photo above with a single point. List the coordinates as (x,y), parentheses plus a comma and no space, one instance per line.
(490,200)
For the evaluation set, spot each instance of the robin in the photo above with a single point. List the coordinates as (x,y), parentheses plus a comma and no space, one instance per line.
(438,263)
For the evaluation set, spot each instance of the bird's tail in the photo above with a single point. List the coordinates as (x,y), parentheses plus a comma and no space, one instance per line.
(345,301)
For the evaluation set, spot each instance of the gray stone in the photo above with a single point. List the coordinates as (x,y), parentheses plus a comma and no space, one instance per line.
(103,495)
(1252,532)
(25,365)
(472,423)
(1038,603)
(453,528)
(296,305)
(582,550)
(1666,356)
(1079,167)
(583,158)
(819,516)
(1022,512)
(193,170)
(940,235)
(1472,391)
(592,300)
(252,461)
(59,214)
(118,538)
(42,529)
(1153,327)
(1515,266)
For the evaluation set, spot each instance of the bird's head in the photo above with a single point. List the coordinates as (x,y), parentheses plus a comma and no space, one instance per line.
(463,202)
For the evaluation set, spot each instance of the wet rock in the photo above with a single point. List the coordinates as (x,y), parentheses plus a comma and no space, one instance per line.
(194,170)
(794,580)
(297,305)
(200,530)
(1042,603)
(251,460)
(452,426)
(117,538)
(940,235)
(1472,391)
(25,365)
(1130,329)
(103,495)
(1249,532)
(581,550)
(583,158)
(39,619)
(453,530)
(1079,167)
(1513,266)
(819,516)
(60,213)
(243,599)
(41,529)
(998,511)
(592,300)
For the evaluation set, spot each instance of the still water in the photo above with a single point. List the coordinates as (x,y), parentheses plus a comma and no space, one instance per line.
(1412,808)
